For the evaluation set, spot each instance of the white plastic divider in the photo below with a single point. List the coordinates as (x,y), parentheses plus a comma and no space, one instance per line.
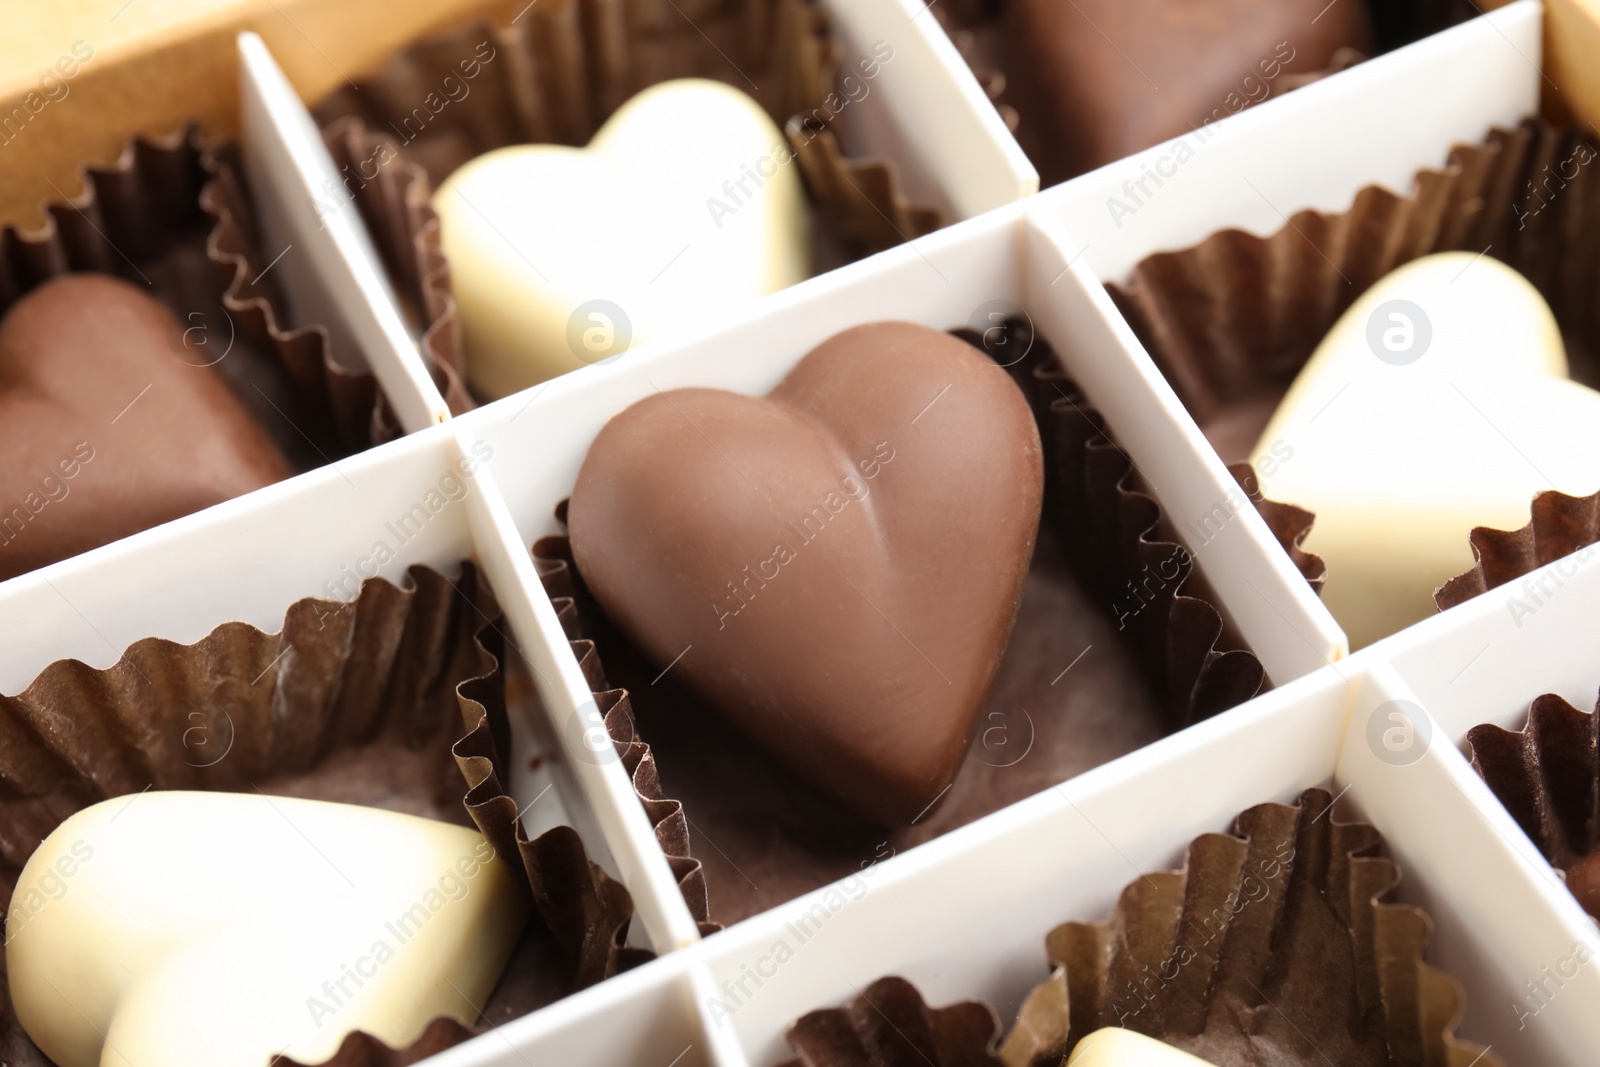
(1258,587)
(1377,123)
(572,715)
(1005,881)
(1484,661)
(927,112)
(336,279)
(1066,853)
(1504,926)
(247,559)
(722,1044)
(642,1018)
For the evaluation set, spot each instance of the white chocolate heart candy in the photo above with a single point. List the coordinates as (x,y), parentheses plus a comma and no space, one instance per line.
(683,207)
(219,929)
(1114,1047)
(1438,402)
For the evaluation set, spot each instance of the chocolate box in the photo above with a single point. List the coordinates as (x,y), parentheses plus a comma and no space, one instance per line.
(965,914)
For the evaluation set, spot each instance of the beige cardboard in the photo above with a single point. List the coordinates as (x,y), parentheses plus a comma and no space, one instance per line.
(156,64)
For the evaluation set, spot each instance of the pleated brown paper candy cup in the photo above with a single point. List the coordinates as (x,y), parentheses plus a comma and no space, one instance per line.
(1105,588)
(1548,777)
(1272,948)
(552,74)
(355,702)
(889,1025)
(1232,321)
(1559,526)
(559,575)
(1007,70)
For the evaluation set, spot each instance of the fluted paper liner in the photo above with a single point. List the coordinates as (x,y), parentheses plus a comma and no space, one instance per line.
(558,573)
(554,73)
(1093,495)
(1559,525)
(1231,321)
(1548,777)
(889,1025)
(772,837)
(356,702)
(394,206)
(1273,947)
(1290,525)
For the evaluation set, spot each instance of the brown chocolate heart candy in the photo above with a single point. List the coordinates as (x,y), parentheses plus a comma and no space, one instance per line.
(1097,80)
(105,430)
(836,566)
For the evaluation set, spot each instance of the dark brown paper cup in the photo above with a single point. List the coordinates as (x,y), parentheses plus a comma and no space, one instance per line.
(356,702)
(1547,776)
(1272,947)
(890,1024)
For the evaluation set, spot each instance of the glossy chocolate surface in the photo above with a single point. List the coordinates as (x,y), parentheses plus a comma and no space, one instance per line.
(836,567)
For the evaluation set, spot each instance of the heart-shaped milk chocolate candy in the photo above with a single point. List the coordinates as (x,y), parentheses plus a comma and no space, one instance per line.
(684,207)
(220,929)
(105,430)
(836,566)
(1438,402)
(1098,80)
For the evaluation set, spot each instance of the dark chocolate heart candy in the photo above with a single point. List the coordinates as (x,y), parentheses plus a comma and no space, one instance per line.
(1097,80)
(104,429)
(835,567)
